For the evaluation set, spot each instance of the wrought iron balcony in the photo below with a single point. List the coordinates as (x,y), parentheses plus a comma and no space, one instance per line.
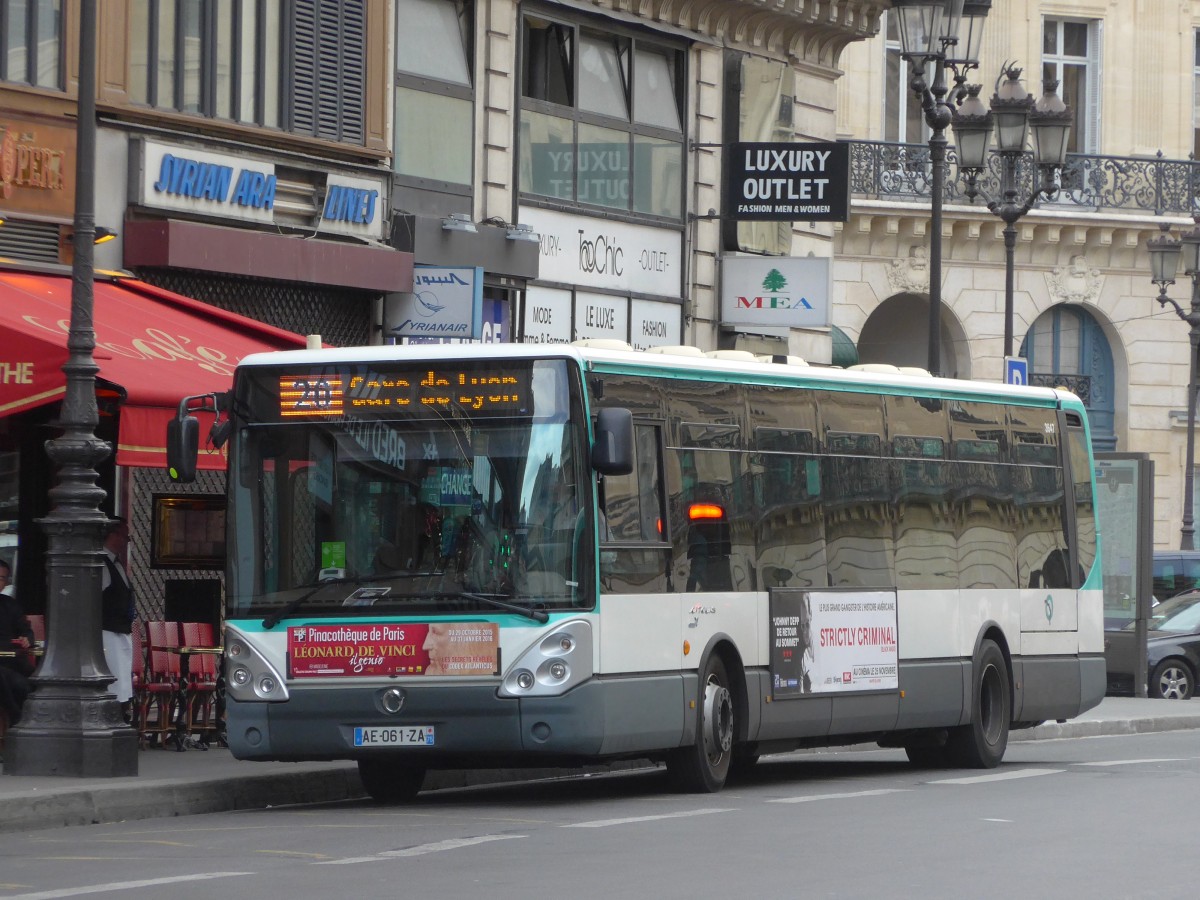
(1079,385)
(1159,186)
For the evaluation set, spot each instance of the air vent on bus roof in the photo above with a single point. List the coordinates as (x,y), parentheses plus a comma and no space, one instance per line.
(889,369)
(782,360)
(736,355)
(675,350)
(602,344)
(878,368)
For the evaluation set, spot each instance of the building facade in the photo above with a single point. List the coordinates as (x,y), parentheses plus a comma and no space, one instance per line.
(242,159)
(335,167)
(1085,310)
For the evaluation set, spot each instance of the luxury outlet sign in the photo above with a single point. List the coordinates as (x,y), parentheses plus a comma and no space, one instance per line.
(787,182)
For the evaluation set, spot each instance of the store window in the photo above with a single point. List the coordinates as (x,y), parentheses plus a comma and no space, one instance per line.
(601,120)
(760,96)
(31,36)
(434,94)
(1071,56)
(224,59)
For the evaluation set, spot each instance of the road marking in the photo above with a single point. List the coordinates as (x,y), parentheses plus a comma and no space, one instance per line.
(999,776)
(1006,821)
(605,823)
(848,796)
(1128,762)
(122,886)
(420,850)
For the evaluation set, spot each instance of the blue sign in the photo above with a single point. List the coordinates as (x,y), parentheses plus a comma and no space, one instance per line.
(1016,370)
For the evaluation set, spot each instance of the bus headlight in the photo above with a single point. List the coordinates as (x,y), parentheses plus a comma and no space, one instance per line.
(558,662)
(249,678)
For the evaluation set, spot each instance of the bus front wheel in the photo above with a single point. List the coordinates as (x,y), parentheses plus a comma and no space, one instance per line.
(388,781)
(703,767)
(981,743)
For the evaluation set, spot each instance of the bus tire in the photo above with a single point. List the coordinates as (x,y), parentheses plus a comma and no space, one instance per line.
(981,743)
(703,767)
(388,781)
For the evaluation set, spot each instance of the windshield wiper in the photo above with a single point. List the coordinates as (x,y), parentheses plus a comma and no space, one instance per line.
(292,605)
(538,615)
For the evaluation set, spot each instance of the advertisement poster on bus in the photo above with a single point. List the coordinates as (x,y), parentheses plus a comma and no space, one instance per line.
(826,642)
(387,649)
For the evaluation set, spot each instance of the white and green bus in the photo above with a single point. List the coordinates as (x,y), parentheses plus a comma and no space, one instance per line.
(482,556)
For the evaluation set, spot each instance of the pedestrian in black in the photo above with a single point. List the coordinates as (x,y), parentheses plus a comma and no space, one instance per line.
(16,637)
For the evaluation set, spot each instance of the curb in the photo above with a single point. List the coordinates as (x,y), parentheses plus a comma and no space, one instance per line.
(1104,728)
(60,808)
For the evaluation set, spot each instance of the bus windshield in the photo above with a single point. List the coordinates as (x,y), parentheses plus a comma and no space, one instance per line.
(376,496)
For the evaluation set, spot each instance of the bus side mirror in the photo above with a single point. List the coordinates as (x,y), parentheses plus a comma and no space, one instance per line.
(183,445)
(612,453)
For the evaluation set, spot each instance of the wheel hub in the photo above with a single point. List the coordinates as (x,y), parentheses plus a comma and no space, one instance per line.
(718,720)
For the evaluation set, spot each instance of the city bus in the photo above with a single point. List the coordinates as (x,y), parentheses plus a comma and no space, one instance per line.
(514,555)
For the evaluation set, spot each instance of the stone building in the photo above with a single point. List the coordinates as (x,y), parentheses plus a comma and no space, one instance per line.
(1085,310)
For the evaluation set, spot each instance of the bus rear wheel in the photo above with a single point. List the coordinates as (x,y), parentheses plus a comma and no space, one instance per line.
(981,743)
(388,781)
(703,767)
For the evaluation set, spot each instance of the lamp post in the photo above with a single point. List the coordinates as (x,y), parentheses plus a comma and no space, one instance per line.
(944,34)
(1166,255)
(71,724)
(1016,115)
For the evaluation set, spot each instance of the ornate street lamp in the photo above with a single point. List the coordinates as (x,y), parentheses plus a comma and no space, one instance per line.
(1013,115)
(1166,256)
(72,724)
(946,35)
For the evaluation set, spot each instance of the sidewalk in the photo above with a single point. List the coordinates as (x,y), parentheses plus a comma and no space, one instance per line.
(197,781)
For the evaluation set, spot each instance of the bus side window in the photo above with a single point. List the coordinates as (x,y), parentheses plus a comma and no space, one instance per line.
(632,540)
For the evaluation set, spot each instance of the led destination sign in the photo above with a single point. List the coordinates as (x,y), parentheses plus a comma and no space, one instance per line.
(483,392)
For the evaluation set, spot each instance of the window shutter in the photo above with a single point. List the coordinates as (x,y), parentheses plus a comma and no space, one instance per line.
(1095,64)
(304,28)
(330,69)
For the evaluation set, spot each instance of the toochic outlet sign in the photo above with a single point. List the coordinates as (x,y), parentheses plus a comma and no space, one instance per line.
(588,252)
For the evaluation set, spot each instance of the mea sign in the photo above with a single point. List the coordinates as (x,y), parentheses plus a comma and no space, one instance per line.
(775,292)
(787,182)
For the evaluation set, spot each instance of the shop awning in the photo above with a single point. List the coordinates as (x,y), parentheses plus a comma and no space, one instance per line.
(155,346)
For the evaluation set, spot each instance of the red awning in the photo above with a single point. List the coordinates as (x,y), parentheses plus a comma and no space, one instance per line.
(158,347)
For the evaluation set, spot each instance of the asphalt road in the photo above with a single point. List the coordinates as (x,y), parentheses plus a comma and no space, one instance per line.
(1103,817)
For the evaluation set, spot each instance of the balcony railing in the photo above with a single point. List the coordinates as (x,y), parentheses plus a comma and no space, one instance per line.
(888,171)
(1079,385)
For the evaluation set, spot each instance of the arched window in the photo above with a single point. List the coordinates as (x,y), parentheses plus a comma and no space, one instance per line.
(1066,347)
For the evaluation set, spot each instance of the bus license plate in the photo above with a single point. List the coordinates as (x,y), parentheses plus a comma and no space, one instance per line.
(399,736)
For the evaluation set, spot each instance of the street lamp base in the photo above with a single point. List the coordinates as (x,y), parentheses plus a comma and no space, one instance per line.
(78,736)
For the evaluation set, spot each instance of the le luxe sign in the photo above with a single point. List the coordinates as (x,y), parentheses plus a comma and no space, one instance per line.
(775,292)
(787,182)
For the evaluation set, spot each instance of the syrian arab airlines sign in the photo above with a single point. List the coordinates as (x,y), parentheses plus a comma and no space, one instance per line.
(775,291)
(787,182)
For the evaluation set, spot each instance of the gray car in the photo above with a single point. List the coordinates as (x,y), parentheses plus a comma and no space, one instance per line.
(1172,650)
